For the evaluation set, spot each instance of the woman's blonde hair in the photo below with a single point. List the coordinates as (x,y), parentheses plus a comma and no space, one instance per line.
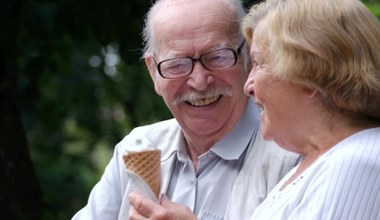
(333,46)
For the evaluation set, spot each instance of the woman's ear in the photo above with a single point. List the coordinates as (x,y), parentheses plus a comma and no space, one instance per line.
(310,92)
(150,64)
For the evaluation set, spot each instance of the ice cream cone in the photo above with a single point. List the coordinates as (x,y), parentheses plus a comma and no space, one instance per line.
(146,164)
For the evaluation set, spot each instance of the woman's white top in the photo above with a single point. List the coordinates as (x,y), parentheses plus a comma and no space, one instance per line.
(343,184)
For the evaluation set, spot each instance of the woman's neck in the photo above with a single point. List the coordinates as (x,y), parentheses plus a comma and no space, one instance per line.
(324,137)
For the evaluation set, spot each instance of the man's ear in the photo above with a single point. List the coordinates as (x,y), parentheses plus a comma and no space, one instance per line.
(150,64)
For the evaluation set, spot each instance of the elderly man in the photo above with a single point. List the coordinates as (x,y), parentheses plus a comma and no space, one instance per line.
(213,160)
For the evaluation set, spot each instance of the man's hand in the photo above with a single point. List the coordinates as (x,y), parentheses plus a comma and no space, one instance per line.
(143,208)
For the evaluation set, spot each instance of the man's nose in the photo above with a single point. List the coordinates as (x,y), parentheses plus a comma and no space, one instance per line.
(200,78)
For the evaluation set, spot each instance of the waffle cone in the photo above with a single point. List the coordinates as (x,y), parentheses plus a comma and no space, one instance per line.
(146,164)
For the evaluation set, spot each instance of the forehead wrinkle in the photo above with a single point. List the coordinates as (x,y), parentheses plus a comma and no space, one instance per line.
(193,45)
(207,25)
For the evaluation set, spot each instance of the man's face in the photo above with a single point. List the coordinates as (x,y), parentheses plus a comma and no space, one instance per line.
(205,103)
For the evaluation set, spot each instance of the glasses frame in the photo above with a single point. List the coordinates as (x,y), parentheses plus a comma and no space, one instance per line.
(236,53)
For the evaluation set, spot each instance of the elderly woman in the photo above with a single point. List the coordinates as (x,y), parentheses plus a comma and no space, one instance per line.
(316,77)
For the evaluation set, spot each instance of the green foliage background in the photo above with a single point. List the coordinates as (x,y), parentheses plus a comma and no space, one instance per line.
(81,87)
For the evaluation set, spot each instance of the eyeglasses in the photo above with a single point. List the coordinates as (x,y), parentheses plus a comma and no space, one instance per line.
(183,66)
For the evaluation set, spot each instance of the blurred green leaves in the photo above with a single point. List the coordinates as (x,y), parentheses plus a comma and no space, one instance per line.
(374,7)
(81,87)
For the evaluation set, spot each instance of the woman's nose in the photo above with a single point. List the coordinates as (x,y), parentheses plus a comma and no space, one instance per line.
(248,86)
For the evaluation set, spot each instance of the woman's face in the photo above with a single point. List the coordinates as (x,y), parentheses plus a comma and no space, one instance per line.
(282,103)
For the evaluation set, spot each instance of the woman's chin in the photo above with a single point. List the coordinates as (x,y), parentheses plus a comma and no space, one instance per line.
(265,134)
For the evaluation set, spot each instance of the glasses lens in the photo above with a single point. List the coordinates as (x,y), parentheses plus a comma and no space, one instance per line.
(220,59)
(175,67)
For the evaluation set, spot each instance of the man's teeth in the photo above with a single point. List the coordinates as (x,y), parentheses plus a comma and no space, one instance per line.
(204,101)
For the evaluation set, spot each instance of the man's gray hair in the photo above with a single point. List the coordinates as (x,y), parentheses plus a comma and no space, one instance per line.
(148,34)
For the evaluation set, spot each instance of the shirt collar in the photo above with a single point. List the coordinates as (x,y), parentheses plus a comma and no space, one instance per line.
(233,145)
